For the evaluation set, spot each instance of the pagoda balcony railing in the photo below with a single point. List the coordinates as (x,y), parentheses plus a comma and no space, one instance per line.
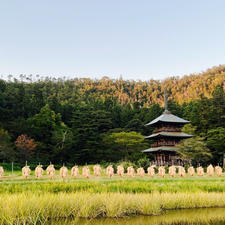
(167,129)
(163,143)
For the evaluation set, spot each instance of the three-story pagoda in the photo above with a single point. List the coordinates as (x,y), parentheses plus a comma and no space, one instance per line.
(166,136)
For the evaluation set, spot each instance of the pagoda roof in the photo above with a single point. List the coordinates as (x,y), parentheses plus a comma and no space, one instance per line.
(169,134)
(168,117)
(161,148)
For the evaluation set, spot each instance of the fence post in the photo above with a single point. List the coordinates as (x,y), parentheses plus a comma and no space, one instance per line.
(12,168)
(224,160)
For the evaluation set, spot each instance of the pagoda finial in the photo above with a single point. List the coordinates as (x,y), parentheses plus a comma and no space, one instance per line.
(166,100)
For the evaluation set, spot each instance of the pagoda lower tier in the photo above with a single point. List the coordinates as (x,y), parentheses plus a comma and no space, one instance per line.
(164,155)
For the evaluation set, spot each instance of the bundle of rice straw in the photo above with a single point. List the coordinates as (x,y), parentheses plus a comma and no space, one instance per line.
(140,172)
(200,171)
(210,170)
(172,171)
(181,171)
(110,171)
(86,172)
(97,170)
(1,171)
(39,172)
(63,172)
(120,170)
(26,172)
(130,171)
(151,171)
(75,171)
(191,171)
(162,171)
(50,171)
(219,171)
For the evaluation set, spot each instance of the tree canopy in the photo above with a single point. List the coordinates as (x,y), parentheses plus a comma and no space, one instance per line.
(194,150)
(89,120)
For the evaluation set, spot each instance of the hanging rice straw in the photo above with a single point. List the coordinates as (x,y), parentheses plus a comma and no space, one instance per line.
(110,171)
(63,172)
(1,171)
(75,171)
(130,171)
(219,171)
(172,171)
(181,171)
(210,170)
(39,172)
(51,171)
(140,172)
(162,171)
(97,170)
(86,172)
(200,171)
(191,171)
(26,172)
(151,171)
(120,170)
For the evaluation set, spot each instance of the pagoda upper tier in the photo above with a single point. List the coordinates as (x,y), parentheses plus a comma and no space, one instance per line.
(167,118)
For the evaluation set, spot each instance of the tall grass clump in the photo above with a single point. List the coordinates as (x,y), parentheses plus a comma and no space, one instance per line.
(38,208)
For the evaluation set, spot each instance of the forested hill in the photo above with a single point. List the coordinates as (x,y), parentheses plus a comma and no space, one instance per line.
(181,90)
(89,121)
(184,89)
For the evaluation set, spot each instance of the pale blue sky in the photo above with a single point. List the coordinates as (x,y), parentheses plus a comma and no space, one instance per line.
(138,39)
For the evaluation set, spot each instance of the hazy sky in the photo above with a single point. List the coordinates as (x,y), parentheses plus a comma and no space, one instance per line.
(138,39)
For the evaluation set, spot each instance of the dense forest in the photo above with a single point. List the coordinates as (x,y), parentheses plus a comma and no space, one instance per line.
(92,121)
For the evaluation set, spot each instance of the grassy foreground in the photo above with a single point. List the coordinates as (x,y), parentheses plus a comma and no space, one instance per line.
(37,209)
(35,201)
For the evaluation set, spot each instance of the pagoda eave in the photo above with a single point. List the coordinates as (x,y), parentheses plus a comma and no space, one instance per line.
(180,135)
(168,118)
(161,149)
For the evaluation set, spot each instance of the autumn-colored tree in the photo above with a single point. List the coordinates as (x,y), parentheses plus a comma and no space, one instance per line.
(25,146)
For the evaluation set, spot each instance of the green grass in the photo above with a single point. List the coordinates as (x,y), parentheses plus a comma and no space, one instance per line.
(121,185)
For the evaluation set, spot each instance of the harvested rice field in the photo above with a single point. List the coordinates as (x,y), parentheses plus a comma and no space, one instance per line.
(41,201)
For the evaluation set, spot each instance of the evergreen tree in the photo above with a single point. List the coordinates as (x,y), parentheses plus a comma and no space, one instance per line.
(216,143)
(194,150)
(6,147)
